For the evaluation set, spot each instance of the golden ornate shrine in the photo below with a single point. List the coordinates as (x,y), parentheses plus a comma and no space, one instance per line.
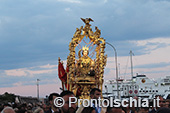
(83,72)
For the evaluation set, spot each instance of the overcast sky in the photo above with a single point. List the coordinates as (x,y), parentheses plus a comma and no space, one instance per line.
(34,33)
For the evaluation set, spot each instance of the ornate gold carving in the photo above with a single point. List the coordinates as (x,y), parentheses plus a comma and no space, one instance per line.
(86,73)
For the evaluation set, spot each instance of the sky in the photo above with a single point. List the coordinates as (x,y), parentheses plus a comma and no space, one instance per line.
(34,33)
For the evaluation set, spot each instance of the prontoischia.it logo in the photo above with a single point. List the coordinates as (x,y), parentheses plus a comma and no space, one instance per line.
(111,102)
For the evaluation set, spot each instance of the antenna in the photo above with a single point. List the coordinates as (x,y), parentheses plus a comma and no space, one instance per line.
(131,63)
(119,69)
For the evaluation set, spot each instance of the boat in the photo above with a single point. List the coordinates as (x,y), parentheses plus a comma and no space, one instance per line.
(139,85)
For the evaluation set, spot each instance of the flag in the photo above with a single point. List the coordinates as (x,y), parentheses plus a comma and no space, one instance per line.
(61,72)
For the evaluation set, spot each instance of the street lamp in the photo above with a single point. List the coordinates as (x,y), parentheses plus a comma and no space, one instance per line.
(38,88)
(116,67)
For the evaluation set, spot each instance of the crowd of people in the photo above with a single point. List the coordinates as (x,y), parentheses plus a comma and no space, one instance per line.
(95,93)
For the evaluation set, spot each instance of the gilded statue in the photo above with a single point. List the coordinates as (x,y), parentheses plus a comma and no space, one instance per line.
(82,71)
(85,64)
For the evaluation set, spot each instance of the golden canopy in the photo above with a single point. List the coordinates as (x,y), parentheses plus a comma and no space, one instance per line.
(85,73)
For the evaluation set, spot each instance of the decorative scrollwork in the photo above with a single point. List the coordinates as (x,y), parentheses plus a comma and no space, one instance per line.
(86,73)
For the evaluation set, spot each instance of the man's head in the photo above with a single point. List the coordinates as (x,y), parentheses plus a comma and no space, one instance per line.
(89,110)
(114,110)
(161,101)
(163,110)
(66,108)
(167,104)
(8,110)
(143,110)
(95,93)
(51,98)
(45,108)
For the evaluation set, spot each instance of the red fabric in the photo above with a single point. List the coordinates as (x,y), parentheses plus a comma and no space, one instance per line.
(78,92)
(61,72)
(67,69)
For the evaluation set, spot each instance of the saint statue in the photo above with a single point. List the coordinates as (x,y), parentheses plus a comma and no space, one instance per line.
(85,64)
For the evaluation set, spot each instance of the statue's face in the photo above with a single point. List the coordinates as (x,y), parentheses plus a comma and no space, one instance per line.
(85,53)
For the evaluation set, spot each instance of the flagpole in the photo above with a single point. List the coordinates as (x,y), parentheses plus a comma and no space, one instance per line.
(38,88)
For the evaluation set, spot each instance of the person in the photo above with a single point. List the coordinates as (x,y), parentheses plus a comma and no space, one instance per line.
(143,110)
(39,110)
(163,110)
(95,94)
(53,108)
(65,108)
(29,108)
(167,104)
(8,110)
(114,110)
(89,110)
(161,104)
(22,108)
(128,109)
(45,108)
(7,105)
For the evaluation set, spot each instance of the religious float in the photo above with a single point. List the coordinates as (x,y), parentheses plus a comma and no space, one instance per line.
(85,62)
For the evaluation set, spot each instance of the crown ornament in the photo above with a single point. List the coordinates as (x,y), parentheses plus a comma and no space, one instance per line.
(85,48)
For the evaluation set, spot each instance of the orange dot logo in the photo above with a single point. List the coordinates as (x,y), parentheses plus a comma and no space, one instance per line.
(143,80)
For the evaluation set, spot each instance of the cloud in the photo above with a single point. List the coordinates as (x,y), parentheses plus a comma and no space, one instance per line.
(162,0)
(160,40)
(37,36)
(17,84)
(154,65)
(67,9)
(16,72)
(48,66)
(152,44)
(27,72)
(28,76)
(156,59)
(32,71)
(35,33)
(31,90)
(105,1)
(70,1)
